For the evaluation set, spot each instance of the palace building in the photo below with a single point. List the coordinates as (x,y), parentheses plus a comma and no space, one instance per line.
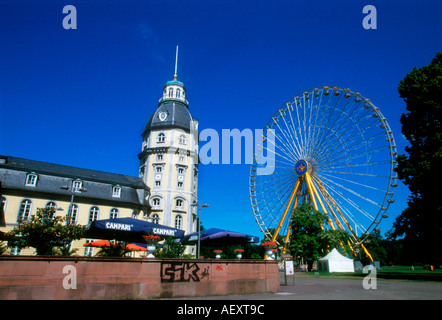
(163,192)
(81,195)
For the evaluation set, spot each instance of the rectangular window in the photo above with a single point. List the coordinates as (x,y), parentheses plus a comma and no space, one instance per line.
(77,185)
(31,180)
(89,251)
(116,191)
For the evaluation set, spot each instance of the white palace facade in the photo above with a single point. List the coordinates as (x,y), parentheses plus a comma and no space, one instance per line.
(163,192)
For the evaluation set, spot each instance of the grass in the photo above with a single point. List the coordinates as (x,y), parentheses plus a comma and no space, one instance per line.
(386,272)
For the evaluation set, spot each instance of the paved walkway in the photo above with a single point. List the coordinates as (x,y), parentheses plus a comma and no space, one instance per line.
(324,288)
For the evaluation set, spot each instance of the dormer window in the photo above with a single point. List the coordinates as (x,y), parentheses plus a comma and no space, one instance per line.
(77,185)
(116,191)
(31,180)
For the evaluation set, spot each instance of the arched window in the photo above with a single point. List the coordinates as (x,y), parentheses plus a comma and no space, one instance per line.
(170,93)
(178,93)
(179,204)
(72,215)
(161,137)
(113,213)
(178,222)
(155,218)
(156,203)
(93,214)
(182,139)
(51,205)
(25,210)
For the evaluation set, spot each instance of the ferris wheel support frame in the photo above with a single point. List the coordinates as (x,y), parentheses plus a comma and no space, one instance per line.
(311,189)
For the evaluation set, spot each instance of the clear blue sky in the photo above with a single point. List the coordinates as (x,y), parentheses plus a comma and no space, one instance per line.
(82,97)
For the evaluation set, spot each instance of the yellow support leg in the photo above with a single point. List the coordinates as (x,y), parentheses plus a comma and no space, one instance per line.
(324,210)
(324,191)
(310,191)
(286,210)
(287,237)
(367,253)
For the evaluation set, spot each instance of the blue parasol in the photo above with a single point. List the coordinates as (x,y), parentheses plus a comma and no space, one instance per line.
(218,237)
(129,229)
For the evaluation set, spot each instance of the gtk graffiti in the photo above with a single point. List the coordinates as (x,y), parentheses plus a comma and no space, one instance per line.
(182,272)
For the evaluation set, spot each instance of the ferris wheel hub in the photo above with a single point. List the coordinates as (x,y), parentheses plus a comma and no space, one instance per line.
(304,166)
(301,167)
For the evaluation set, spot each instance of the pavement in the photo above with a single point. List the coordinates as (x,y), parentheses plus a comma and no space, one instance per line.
(301,287)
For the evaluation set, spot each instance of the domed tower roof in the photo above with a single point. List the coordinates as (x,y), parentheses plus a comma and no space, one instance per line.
(171,114)
(173,108)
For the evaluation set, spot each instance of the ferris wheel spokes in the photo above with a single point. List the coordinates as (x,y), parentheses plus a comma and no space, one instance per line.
(348,148)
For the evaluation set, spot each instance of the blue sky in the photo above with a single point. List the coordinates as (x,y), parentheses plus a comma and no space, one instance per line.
(82,97)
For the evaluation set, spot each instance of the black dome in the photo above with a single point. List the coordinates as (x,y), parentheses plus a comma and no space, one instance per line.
(178,116)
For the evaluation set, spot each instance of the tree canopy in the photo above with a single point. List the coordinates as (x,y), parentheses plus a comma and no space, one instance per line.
(309,239)
(420,224)
(44,231)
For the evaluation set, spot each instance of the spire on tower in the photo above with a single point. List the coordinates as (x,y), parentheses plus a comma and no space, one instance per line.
(176,63)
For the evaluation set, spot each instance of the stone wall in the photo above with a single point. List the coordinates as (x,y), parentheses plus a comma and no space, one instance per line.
(54,278)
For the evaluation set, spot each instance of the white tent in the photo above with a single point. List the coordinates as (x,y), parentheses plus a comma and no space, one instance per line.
(336,262)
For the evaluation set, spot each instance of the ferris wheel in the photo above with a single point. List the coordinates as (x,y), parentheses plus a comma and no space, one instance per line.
(332,148)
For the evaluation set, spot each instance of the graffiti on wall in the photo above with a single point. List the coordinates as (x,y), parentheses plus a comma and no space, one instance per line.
(183,272)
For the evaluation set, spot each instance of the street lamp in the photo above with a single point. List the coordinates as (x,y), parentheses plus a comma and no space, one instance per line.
(80,190)
(199,205)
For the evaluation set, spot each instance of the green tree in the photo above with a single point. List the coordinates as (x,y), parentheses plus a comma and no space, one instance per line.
(420,224)
(308,239)
(44,231)
(377,246)
(171,249)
